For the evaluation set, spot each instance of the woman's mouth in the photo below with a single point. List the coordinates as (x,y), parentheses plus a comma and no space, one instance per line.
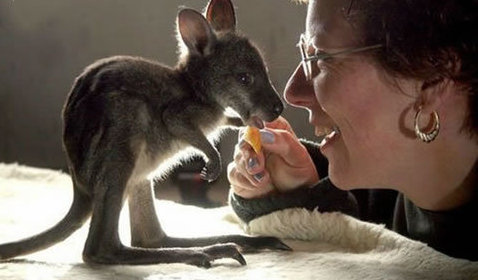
(327,135)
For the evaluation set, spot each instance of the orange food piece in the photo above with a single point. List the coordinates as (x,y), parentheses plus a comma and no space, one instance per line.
(253,137)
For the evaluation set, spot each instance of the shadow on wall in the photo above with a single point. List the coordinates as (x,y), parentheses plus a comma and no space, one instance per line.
(44,45)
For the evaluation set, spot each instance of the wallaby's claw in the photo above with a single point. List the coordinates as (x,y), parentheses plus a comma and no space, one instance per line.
(282,246)
(228,250)
(275,244)
(252,244)
(240,258)
(211,171)
(206,264)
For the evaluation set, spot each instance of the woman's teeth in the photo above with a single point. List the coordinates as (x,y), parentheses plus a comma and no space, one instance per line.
(327,133)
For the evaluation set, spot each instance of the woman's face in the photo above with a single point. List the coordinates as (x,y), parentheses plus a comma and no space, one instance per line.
(365,119)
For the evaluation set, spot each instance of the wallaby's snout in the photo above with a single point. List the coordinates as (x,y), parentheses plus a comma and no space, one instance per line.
(272,103)
(267,109)
(276,109)
(272,108)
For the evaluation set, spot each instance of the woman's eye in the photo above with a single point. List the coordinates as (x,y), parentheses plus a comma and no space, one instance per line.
(322,64)
(314,68)
(245,79)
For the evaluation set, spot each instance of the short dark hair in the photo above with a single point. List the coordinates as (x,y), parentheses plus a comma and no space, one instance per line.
(430,40)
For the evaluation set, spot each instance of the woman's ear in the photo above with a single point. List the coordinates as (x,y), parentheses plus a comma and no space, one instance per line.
(435,90)
(433,93)
(195,32)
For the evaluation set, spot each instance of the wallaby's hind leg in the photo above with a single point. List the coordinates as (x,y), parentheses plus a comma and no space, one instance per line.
(246,243)
(146,230)
(103,240)
(103,244)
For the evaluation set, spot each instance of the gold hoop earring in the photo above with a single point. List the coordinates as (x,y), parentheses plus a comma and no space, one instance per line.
(427,137)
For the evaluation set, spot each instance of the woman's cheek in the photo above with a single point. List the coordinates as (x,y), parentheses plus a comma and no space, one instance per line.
(323,88)
(329,82)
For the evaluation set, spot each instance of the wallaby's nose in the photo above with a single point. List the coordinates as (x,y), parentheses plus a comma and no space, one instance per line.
(278,108)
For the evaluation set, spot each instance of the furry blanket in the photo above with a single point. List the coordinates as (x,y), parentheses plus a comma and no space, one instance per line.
(326,246)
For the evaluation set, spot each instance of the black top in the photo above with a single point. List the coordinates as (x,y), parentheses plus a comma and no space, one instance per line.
(453,232)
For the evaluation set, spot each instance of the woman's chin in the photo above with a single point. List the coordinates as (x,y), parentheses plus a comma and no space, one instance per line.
(339,184)
(343,179)
(344,174)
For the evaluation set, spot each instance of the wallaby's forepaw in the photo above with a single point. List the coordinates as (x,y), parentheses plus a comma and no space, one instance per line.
(234,122)
(211,171)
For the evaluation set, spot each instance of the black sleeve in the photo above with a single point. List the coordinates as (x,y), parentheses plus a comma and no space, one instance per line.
(448,231)
(320,162)
(324,196)
(374,205)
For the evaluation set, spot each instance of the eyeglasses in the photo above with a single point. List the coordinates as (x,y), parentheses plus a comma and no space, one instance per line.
(308,59)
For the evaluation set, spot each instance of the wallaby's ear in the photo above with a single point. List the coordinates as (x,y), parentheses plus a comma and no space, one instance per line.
(195,32)
(220,14)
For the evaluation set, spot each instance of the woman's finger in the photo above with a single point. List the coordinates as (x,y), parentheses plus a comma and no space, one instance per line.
(285,145)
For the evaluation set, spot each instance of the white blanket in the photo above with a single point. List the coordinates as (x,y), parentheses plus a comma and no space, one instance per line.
(326,246)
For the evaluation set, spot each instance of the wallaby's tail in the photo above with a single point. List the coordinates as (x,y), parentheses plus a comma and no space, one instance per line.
(80,210)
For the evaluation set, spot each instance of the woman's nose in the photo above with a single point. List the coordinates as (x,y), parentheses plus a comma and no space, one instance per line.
(298,91)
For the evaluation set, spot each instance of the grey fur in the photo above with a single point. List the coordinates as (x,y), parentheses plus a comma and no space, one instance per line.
(125,116)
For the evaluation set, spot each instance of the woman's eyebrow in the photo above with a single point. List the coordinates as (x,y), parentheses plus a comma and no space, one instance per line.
(312,48)
(318,51)
(311,43)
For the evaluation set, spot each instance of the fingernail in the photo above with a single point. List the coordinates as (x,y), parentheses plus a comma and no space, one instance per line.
(252,162)
(258,177)
(267,136)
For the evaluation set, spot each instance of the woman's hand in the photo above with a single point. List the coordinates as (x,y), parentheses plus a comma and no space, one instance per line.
(283,163)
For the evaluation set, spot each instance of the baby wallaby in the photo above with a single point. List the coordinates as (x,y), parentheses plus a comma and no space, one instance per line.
(125,116)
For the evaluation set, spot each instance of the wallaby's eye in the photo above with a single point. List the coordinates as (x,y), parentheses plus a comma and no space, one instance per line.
(245,79)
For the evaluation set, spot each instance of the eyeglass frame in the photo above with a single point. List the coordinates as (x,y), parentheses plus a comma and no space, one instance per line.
(306,59)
